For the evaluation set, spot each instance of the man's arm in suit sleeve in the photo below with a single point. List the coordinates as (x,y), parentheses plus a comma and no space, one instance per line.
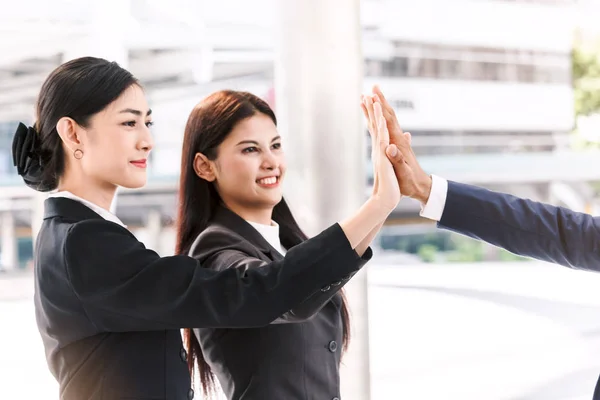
(521,226)
(215,250)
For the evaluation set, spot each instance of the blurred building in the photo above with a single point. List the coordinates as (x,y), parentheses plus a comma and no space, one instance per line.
(483,86)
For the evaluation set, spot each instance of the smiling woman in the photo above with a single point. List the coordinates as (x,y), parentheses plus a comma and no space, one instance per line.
(249,168)
(232,215)
(109,310)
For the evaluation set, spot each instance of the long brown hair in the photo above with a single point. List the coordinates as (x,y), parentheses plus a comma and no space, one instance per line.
(208,125)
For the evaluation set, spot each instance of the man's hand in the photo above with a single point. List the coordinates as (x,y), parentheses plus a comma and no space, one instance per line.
(413,181)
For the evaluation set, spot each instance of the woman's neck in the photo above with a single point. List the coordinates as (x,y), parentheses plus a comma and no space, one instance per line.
(101,195)
(262,216)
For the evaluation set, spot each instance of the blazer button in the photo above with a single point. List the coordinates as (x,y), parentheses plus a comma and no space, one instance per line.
(338,283)
(183,355)
(325,288)
(191,394)
(333,346)
(336,398)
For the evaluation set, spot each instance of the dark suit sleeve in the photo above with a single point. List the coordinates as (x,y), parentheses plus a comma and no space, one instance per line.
(220,250)
(125,287)
(523,227)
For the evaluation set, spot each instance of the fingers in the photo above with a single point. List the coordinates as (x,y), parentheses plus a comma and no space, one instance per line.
(394,155)
(366,114)
(401,168)
(368,105)
(377,92)
(389,113)
(388,110)
(403,142)
(406,146)
(382,131)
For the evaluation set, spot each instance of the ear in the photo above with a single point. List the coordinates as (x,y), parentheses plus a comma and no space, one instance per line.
(69,132)
(204,168)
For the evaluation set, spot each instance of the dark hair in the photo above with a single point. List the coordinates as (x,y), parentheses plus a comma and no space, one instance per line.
(207,127)
(77,89)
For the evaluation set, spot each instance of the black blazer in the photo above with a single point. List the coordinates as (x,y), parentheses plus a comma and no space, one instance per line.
(109,310)
(287,359)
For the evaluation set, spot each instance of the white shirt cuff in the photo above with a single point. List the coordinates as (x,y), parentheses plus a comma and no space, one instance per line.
(437,199)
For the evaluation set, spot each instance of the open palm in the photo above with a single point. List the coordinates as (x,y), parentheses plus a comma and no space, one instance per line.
(385,184)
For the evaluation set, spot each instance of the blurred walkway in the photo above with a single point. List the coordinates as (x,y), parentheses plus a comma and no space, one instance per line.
(518,331)
(15,286)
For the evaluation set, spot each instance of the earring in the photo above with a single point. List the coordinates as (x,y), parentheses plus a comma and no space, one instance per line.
(78,154)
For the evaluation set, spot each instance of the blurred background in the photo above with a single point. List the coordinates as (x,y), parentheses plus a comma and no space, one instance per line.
(503,94)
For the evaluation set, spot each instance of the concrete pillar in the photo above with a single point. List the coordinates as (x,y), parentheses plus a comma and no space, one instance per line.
(9,256)
(37,213)
(203,63)
(318,82)
(113,205)
(203,59)
(153,230)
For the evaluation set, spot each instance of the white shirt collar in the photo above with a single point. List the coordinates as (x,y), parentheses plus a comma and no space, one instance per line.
(270,233)
(97,209)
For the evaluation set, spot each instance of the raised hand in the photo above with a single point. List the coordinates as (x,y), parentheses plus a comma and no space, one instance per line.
(385,185)
(412,180)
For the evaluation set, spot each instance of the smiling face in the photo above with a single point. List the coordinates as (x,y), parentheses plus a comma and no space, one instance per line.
(250,167)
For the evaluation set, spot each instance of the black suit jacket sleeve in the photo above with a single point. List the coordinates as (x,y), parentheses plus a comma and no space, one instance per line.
(125,287)
(524,227)
(221,250)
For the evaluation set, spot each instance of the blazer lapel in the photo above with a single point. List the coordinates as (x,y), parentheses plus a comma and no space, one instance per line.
(234,222)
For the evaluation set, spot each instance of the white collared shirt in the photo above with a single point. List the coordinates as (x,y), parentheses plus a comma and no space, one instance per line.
(96,208)
(270,233)
(434,208)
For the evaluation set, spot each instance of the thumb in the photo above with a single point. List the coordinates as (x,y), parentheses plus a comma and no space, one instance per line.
(394,154)
(401,167)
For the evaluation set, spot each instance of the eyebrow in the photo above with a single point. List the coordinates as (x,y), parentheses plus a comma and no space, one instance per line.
(255,142)
(135,112)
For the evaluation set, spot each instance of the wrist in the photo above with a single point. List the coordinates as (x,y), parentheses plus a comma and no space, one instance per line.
(381,208)
(372,213)
(423,189)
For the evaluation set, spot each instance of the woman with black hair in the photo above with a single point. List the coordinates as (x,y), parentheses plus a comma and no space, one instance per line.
(108,309)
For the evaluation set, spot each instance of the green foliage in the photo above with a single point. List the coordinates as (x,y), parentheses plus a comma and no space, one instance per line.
(412,243)
(508,256)
(428,253)
(466,250)
(586,81)
(443,246)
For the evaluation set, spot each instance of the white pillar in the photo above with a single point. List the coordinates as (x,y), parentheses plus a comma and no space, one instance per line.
(153,229)
(113,204)
(318,81)
(203,58)
(37,213)
(202,61)
(9,252)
